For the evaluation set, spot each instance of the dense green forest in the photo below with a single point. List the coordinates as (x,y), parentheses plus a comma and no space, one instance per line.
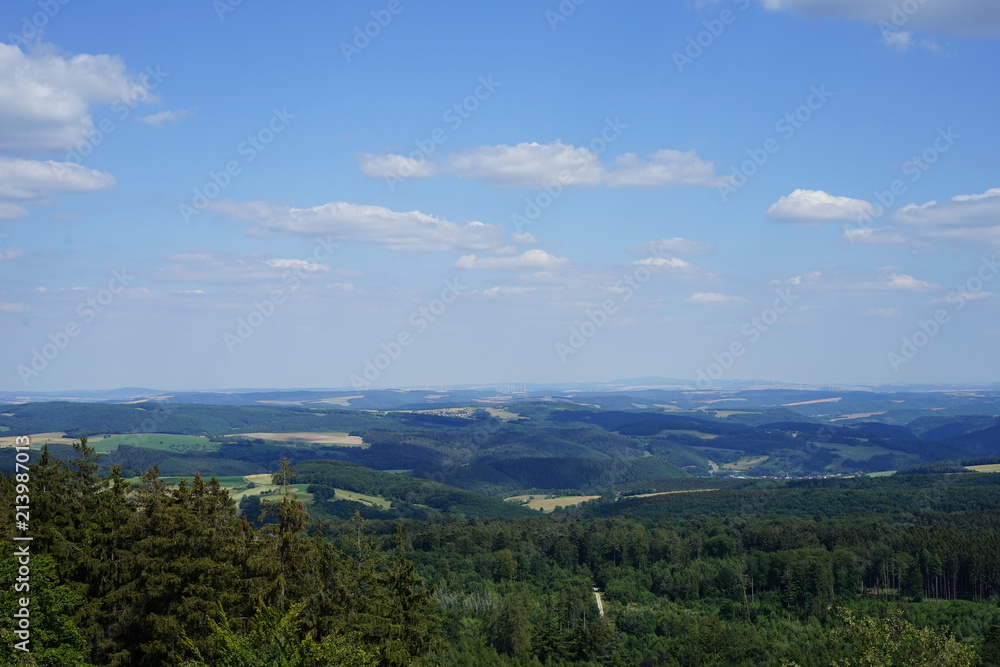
(733,537)
(153,574)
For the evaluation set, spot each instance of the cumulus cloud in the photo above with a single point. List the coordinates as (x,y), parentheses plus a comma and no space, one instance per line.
(391,165)
(46,98)
(343,221)
(665,263)
(30,179)
(528,165)
(714,299)
(673,246)
(664,167)
(161,118)
(902,282)
(539,166)
(963,220)
(955,17)
(968,210)
(818,206)
(534,259)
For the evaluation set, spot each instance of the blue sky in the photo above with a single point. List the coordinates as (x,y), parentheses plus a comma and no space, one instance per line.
(220,194)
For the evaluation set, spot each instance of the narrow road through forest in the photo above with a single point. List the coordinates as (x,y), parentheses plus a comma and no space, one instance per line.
(600,604)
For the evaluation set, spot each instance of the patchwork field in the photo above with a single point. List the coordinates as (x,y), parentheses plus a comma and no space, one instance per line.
(310,438)
(549,504)
(263,483)
(38,439)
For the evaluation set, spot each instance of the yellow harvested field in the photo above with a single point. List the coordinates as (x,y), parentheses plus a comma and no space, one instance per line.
(39,439)
(550,504)
(992,467)
(319,438)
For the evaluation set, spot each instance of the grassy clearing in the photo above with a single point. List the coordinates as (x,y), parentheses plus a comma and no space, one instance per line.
(992,467)
(182,444)
(310,438)
(696,434)
(746,463)
(857,452)
(547,504)
(377,502)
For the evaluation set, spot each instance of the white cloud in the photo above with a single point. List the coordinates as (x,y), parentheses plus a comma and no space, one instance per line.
(967,296)
(874,235)
(45,98)
(528,165)
(818,206)
(12,211)
(409,230)
(714,299)
(903,281)
(525,239)
(346,288)
(674,246)
(534,259)
(394,166)
(161,118)
(505,290)
(883,312)
(300,264)
(30,179)
(963,220)
(899,282)
(552,165)
(954,17)
(807,278)
(11,307)
(665,167)
(974,210)
(665,263)
(241,270)
(10,253)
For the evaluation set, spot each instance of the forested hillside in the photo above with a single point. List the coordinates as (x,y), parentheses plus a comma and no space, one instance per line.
(675,546)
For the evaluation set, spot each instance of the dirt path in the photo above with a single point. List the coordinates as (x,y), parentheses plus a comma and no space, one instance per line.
(600,603)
